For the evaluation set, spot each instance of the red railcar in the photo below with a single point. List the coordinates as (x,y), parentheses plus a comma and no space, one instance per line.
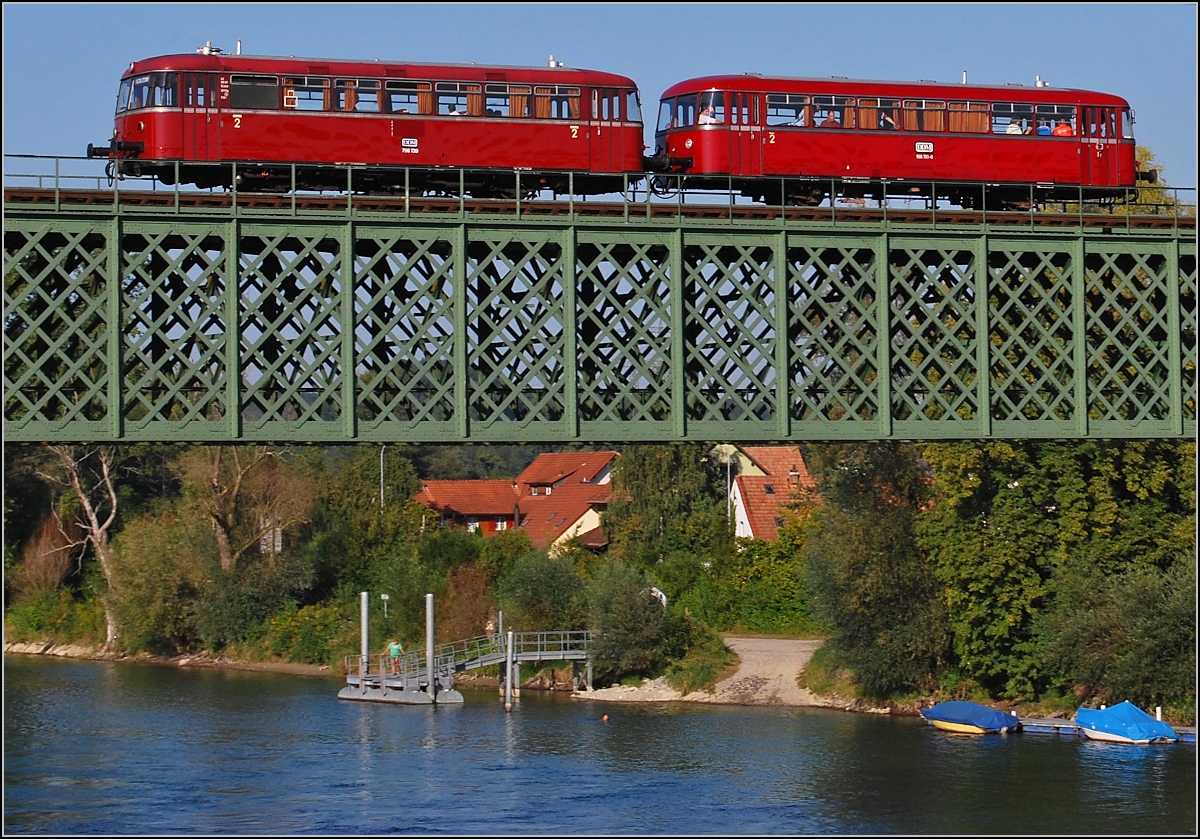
(886,138)
(201,112)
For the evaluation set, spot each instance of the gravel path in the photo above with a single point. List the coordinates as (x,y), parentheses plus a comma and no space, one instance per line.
(766,676)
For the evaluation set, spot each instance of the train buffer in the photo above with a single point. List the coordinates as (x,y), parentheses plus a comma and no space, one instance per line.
(375,678)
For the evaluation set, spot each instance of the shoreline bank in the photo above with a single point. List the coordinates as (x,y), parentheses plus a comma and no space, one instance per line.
(766,675)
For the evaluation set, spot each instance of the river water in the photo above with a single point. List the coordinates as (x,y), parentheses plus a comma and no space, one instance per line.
(121,748)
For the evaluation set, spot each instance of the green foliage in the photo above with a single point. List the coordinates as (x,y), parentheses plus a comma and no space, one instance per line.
(161,567)
(1016,525)
(706,662)
(500,550)
(353,530)
(57,616)
(238,600)
(634,632)
(761,588)
(307,635)
(1125,636)
(666,500)
(870,585)
(542,593)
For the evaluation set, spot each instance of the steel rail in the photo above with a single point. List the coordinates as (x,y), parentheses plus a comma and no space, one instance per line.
(631,211)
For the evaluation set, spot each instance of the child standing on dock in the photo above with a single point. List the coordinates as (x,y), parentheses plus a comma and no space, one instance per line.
(394,650)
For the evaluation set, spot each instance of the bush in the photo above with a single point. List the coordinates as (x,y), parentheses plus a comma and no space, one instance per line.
(305,635)
(56,616)
(634,633)
(706,662)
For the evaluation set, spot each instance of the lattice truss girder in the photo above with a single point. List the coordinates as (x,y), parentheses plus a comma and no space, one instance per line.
(198,330)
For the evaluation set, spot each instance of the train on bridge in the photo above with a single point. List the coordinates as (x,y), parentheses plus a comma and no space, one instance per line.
(270,123)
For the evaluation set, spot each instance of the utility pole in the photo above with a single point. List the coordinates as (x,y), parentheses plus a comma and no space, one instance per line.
(382,449)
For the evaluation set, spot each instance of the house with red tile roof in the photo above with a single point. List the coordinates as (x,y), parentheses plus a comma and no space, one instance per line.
(763,480)
(557,498)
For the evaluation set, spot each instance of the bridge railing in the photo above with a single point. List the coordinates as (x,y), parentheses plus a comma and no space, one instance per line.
(643,197)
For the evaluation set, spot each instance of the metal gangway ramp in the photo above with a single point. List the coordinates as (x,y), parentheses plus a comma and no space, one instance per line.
(372,678)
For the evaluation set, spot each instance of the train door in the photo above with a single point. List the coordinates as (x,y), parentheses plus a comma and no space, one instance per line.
(605,136)
(745,146)
(1101,137)
(199,116)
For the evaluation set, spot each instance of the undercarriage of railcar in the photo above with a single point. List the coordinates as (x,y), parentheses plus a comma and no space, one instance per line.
(813,192)
(369,180)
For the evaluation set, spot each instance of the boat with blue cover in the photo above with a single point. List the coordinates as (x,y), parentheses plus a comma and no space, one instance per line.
(1123,723)
(961,717)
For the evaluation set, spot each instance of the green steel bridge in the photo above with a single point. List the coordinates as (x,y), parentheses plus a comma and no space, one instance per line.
(133,314)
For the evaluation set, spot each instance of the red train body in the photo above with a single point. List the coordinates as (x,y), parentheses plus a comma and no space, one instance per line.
(212,108)
(472,128)
(749,131)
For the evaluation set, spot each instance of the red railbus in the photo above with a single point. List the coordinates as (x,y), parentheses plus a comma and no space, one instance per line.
(198,113)
(858,139)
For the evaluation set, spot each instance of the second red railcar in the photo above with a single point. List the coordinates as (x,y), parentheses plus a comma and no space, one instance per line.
(887,138)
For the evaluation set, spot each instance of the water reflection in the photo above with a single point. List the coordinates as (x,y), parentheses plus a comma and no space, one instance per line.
(119,748)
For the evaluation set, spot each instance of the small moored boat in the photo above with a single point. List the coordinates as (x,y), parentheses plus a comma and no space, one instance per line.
(1123,723)
(963,717)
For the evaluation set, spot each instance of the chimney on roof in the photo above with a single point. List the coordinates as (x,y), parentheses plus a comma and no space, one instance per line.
(794,475)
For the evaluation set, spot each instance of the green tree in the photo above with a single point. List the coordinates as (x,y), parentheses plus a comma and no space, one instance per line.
(162,565)
(543,593)
(1024,536)
(870,585)
(631,621)
(666,500)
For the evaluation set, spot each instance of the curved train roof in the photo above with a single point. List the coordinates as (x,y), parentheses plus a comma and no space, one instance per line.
(216,61)
(842,84)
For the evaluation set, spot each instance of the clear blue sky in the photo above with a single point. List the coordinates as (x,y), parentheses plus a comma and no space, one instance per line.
(62,62)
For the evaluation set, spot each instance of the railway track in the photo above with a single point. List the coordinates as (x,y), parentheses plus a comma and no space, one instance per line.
(422,205)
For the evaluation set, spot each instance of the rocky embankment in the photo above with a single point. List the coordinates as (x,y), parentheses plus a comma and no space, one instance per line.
(199,660)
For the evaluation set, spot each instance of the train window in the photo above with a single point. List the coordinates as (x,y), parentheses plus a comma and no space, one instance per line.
(153,90)
(1012,118)
(123,95)
(788,109)
(504,100)
(833,111)
(712,108)
(460,98)
(250,92)
(666,115)
(606,105)
(360,95)
(633,108)
(408,97)
(556,102)
(881,114)
(198,91)
(969,118)
(924,115)
(1127,123)
(306,93)
(1056,119)
(739,109)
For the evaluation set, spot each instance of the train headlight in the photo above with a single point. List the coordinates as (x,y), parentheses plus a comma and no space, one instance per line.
(687,144)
